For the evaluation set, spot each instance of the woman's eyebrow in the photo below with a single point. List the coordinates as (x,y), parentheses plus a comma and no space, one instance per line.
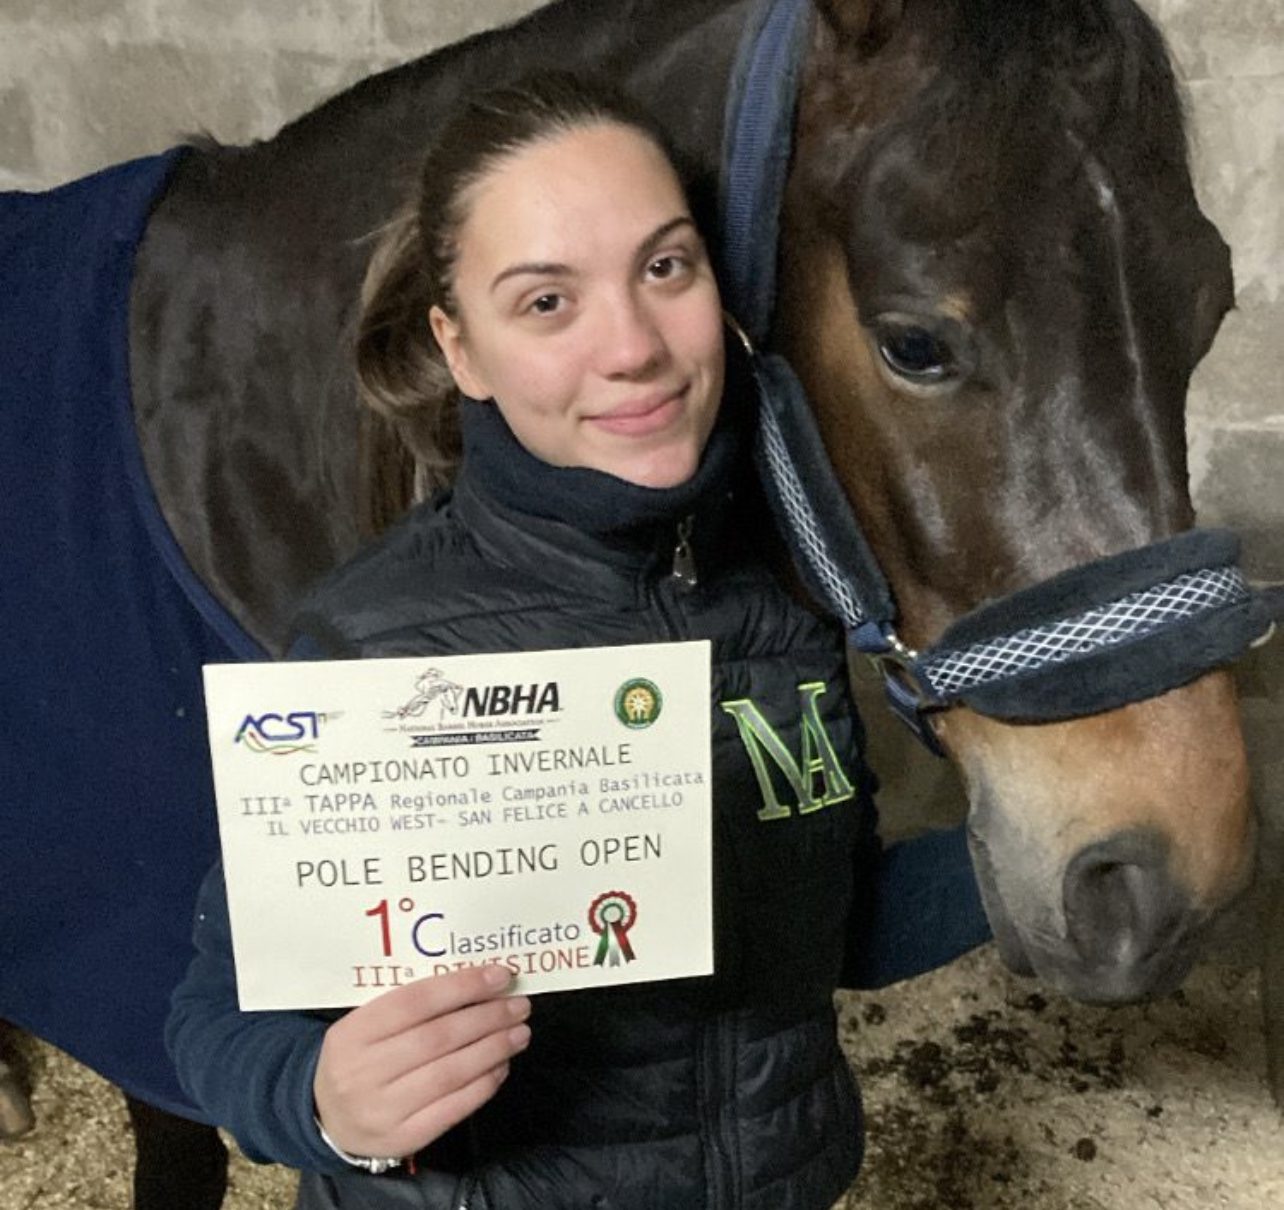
(662,232)
(557,269)
(536,268)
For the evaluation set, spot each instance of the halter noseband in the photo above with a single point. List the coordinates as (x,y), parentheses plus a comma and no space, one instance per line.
(1116,630)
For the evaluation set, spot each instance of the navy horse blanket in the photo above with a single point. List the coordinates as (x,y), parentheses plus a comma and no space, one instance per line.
(105,789)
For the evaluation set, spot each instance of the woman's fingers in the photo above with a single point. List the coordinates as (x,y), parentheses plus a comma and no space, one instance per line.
(443,1093)
(402,1116)
(383,1059)
(430,1040)
(413,1055)
(406,1007)
(434,1120)
(449,1073)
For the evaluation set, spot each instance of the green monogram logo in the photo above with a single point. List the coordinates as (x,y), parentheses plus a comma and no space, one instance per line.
(816,778)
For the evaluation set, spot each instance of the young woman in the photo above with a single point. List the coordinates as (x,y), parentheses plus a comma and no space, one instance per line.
(553,271)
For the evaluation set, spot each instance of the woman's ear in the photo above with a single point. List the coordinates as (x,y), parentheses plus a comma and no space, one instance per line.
(450,340)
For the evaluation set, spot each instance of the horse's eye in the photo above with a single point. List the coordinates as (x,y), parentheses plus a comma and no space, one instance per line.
(916,354)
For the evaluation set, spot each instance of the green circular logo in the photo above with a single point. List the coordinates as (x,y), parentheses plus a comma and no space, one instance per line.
(637,703)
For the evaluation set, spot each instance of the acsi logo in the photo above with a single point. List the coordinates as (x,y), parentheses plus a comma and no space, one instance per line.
(280,734)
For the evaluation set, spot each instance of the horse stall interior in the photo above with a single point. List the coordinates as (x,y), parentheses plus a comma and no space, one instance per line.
(983,1090)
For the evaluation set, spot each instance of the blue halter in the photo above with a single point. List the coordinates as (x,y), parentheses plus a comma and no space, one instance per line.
(1094,638)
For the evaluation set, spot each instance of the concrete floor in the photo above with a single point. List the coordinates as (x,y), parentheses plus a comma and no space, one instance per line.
(982,1094)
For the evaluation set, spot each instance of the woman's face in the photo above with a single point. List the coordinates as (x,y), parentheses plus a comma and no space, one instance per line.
(587,308)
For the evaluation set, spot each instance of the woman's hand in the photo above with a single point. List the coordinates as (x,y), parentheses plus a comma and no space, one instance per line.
(404,1068)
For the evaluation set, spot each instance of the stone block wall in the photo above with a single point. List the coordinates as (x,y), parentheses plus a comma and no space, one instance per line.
(84,83)
(1231,57)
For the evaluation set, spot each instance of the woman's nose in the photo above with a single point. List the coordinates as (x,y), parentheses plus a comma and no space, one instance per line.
(633,343)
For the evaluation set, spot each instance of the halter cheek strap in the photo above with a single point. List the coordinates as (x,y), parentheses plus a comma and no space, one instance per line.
(1091,639)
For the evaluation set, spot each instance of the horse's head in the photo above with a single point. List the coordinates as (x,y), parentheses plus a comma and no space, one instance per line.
(996,282)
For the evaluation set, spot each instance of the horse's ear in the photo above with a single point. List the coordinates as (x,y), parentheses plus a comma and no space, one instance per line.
(869,23)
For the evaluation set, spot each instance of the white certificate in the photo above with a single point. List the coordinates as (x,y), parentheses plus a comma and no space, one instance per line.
(386,820)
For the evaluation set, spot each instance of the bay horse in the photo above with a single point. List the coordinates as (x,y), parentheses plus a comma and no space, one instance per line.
(994,282)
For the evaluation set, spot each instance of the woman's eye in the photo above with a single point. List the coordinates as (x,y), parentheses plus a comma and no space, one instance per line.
(916,354)
(664,267)
(546,304)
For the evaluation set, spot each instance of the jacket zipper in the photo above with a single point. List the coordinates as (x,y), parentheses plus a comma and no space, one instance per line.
(716,1061)
(684,564)
(715,1057)
(665,591)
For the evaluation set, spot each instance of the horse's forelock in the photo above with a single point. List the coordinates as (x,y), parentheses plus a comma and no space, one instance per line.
(994,98)
(1098,69)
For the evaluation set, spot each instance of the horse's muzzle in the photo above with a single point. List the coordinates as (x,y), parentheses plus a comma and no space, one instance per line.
(1131,930)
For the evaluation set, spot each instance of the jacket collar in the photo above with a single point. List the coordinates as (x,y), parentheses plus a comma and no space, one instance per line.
(567,526)
(560,555)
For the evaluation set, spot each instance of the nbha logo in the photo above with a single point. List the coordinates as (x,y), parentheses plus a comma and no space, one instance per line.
(453,701)
(502,700)
(280,734)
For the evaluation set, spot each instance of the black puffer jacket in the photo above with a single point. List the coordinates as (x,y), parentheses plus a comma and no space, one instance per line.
(703,1094)
(723,1092)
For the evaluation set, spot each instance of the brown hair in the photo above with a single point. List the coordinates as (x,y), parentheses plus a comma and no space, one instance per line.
(411,430)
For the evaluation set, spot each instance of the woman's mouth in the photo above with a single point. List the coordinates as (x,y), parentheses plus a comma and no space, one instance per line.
(640,417)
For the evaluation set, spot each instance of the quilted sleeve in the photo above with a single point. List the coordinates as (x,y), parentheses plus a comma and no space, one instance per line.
(250,1072)
(917,907)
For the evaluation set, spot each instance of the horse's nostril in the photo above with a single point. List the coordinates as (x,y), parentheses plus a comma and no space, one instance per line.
(1105,908)
(1121,904)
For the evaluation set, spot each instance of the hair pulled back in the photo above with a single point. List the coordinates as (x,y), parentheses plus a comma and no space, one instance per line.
(401,372)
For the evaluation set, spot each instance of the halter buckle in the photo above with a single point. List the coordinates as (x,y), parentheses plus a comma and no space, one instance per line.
(909,704)
(909,698)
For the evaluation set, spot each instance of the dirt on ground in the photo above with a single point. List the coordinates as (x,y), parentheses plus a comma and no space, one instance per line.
(982,1093)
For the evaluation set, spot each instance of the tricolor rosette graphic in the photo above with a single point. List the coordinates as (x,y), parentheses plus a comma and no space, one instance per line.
(611,915)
